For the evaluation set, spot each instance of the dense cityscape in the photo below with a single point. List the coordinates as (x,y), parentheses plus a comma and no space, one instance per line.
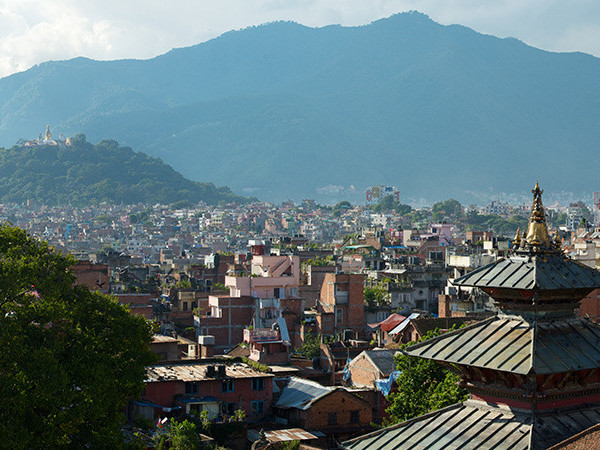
(270,316)
(281,225)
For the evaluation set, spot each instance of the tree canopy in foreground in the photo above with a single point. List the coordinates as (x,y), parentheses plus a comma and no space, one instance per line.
(423,386)
(70,357)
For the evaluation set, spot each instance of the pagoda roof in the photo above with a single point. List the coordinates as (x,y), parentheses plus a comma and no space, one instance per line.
(474,424)
(533,272)
(512,344)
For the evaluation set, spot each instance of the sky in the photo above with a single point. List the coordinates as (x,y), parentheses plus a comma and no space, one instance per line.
(34,31)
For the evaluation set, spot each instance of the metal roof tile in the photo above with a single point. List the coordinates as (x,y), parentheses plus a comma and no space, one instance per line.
(506,344)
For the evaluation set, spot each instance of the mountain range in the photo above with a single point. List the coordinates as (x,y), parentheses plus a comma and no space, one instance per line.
(283,111)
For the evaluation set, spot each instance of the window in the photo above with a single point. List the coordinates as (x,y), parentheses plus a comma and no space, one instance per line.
(258,384)
(258,407)
(185,306)
(354,417)
(228,408)
(276,293)
(331,418)
(191,387)
(227,385)
(339,316)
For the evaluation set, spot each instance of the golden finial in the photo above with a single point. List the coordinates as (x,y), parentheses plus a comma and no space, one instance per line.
(517,239)
(557,240)
(537,230)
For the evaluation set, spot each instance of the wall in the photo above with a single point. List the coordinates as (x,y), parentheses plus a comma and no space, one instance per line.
(363,373)
(341,403)
(164,392)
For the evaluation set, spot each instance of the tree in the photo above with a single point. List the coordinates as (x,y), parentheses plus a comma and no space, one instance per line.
(423,386)
(311,348)
(375,296)
(450,208)
(178,435)
(70,358)
(341,206)
(389,203)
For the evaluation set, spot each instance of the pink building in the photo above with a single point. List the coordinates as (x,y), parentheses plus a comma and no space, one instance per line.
(271,277)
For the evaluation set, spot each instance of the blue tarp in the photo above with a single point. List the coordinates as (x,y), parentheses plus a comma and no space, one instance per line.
(346,376)
(385,385)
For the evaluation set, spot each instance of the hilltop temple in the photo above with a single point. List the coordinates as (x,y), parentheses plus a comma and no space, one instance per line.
(46,139)
(532,371)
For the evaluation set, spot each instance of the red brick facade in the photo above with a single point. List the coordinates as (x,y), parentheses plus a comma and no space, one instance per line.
(343,296)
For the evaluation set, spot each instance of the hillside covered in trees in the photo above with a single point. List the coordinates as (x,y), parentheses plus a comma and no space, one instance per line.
(84,174)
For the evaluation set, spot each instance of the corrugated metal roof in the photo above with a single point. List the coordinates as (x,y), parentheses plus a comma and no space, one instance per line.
(474,425)
(402,325)
(543,272)
(291,434)
(506,344)
(161,339)
(197,372)
(300,393)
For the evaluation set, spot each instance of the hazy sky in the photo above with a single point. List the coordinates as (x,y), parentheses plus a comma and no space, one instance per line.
(33,31)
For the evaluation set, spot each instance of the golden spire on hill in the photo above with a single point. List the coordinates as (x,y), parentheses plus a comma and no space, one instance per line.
(48,134)
(537,230)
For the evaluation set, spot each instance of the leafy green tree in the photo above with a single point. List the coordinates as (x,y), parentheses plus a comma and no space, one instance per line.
(389,203)
(423,386)
(340,207)
(70,359)
(450,208)
(375,296)
(178,435)
(311,348)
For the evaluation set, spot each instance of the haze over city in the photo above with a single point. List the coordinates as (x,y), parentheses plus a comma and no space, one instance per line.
(285,225)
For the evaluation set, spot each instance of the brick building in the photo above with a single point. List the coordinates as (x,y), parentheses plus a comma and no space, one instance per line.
(333,411)
(371,365)
(215,386)
(226,320)
(94,276)
(343,296)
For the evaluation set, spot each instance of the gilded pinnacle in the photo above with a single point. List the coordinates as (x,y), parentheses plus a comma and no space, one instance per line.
(537,236)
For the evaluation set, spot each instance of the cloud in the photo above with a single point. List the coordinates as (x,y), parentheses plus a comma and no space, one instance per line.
(33,31)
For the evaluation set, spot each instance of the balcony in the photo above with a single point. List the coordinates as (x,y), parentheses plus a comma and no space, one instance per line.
(261,336)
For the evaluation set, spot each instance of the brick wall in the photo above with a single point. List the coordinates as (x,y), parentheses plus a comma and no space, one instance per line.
(94,276)
(363,373)
(444,305)
(341,403)
(228,330)
(590,305)
(353,311)
(164,392)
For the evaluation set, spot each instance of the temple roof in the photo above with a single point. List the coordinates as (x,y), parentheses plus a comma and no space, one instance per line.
(473,424)
(507,344)
(536,272)
(537,262)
